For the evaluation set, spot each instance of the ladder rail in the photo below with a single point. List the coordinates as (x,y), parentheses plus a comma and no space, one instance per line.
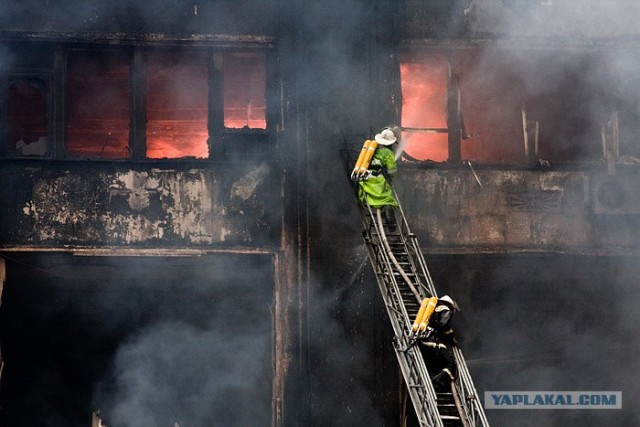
(475,412)
(415,249)
(390,291)
(473,407)
(412,365)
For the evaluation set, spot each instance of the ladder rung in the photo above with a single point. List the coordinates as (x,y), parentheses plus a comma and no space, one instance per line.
(397,278)
(449,417)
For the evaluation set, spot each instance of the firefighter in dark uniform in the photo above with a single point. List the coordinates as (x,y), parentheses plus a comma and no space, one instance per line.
(436,345)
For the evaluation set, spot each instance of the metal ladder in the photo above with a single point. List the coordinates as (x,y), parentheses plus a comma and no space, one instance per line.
(404,280)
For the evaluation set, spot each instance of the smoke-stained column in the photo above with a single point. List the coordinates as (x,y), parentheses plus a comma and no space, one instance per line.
(291,380)
(138,113)
(3,278)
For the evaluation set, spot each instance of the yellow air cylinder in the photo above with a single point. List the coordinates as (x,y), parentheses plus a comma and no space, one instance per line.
(364,159)
(420,315)
(361,156)
(371,148)
(431,306)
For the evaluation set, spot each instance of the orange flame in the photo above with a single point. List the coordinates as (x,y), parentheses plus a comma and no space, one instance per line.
(424,106)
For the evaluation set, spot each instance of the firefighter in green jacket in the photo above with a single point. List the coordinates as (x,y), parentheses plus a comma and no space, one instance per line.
(376,188)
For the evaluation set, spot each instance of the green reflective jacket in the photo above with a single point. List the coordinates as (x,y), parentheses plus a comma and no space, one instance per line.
(376,190)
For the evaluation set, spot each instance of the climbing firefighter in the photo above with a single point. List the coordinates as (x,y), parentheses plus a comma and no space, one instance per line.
(437,344)
(375,187)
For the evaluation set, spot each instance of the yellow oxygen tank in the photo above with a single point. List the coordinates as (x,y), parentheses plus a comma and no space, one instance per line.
(364,159)
(361,157)
(431,306)
(373,144)
(420,315)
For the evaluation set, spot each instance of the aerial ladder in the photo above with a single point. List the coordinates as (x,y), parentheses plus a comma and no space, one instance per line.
(405,282)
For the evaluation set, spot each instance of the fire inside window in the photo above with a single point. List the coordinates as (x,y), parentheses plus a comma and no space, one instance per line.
(505,98)
(97,124)
(488,117)
(424,93)
(177,105)
(178,98)
(27,102)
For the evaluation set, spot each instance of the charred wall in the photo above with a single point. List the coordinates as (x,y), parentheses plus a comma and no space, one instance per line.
(84,205)
(497,211)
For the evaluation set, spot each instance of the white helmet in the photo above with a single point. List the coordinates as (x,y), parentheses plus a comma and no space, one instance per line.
(386,137)
(449,301)
(397,131)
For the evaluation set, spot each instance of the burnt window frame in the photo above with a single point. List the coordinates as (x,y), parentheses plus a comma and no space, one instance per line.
(125,51)
(414,54)
(140,69)
(240,141)
(43,72)
(223,143)
(452,108)
(47,78)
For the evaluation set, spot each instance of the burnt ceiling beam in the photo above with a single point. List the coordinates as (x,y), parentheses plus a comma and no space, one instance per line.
(143,252)
(213,40)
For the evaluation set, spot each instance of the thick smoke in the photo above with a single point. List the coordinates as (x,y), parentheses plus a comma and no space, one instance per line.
(543,19)
(175,372)
(548,323)
(554,323)
(580,331)
(154,341)
(342,347)
(204,356)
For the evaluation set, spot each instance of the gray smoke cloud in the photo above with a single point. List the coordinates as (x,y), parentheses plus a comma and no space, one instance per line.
(342,346)
(157,342)
(176,372)
(192,372)
(548,323)
(569,62)
(203,357)
(567,322)
(550,18)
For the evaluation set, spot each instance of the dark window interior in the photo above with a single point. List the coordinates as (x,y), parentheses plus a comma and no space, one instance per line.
(97,105)
(245,91)
(177,105)
(147,341)
(28,118)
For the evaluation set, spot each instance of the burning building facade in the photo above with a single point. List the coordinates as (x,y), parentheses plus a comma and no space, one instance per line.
(180,240)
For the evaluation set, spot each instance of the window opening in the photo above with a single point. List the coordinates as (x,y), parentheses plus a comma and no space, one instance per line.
(27,106)
(492,93)
(97,105)
(177,105)
(245,81)
(548,98)
(424,121)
